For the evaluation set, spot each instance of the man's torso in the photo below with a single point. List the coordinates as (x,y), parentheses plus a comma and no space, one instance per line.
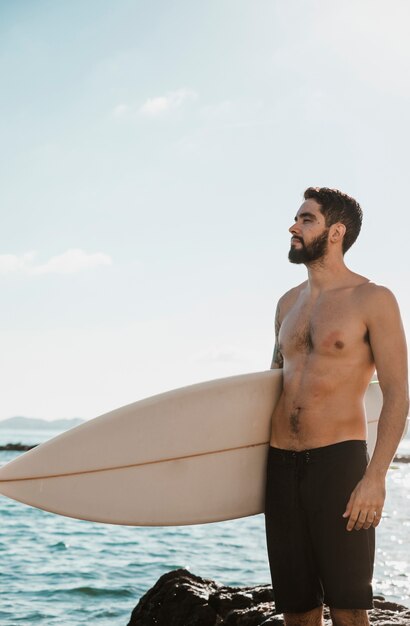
(327,366)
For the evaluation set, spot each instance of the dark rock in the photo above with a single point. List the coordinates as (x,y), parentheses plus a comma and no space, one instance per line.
(402,458)
(17,447)
(180,598)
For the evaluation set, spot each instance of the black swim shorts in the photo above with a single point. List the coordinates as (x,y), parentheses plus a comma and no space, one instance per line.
(313,558)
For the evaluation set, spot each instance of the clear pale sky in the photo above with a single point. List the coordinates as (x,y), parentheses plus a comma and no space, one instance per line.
(153,155)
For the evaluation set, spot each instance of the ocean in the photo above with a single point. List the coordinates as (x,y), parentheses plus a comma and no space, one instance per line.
(56,570)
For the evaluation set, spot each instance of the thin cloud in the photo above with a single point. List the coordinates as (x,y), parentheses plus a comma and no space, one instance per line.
(10,263)
(70,262)
(221,111)
(160,105)
(157,106)
(121,110)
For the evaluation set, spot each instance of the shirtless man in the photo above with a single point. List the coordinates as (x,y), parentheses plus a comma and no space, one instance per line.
(324,498)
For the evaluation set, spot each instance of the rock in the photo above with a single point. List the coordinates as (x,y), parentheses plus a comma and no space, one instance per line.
(402,458)
(17,447)
(180,598)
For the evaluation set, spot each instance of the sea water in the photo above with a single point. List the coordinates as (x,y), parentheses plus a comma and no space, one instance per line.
(56,570)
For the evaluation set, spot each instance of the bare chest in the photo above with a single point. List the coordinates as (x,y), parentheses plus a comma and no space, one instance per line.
(328,328)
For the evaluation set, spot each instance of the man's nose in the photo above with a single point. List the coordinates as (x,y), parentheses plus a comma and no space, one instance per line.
(294,229)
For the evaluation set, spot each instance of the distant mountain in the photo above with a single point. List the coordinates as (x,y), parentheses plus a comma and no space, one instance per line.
(31,423)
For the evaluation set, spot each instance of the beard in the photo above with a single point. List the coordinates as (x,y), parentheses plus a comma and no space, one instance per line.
(314,251)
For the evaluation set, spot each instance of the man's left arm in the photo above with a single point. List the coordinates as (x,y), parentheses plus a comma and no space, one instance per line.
(388,345)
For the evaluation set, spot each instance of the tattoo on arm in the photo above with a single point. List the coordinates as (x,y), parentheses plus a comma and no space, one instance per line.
(277,360)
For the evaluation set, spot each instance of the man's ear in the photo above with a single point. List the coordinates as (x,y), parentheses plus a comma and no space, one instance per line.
(337,232)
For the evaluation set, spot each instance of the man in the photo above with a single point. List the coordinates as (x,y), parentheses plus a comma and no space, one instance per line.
(324,498)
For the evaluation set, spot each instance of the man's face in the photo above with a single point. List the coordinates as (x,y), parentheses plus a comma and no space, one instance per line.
(309,234)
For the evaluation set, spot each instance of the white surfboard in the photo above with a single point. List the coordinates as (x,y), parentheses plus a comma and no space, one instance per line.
(188,456)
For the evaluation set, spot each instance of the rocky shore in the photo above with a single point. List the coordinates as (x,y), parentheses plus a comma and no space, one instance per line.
(180,598)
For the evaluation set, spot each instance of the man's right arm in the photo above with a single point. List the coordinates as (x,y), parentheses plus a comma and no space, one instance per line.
(277,359)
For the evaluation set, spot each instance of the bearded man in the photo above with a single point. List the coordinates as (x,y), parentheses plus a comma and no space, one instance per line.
(324,498)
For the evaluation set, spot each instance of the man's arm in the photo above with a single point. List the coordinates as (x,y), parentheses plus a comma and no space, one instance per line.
(277,359)
(388,344)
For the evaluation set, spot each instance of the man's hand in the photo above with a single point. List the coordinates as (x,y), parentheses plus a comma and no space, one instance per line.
(365,505)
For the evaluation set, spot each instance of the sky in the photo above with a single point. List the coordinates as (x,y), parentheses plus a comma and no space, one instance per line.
(153,157)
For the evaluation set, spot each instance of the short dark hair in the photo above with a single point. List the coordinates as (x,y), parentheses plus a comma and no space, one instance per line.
(338,207)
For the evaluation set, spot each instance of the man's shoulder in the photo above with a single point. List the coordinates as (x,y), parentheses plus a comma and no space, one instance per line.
(373,298)
(290,296)
(369,289)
